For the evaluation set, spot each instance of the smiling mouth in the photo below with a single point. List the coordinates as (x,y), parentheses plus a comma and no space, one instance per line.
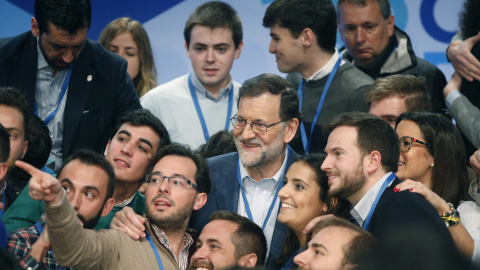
(122,163)
(288,206)
(400,163)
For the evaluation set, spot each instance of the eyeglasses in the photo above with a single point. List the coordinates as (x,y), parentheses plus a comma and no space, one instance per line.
(175,182)
(407,141)
(255,126)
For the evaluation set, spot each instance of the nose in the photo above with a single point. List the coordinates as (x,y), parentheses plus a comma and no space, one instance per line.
(76,200)
(200,254)
(164,187)
(359,35)
(326,165)
(248,133)
(271,47)
(67,57)
(210,57)
(282,194)
(127,149)
(301,259)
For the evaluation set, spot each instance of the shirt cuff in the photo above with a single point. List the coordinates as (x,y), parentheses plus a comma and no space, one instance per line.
(452,97)
(58,204)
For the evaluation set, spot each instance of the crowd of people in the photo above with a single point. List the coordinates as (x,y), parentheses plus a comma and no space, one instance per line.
(362,157)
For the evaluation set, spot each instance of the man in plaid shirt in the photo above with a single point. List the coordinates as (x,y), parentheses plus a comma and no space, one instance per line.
(89,181)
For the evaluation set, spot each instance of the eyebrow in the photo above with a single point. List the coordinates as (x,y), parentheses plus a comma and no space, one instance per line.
(213,241)
(214,45)
(66,180)
(127,48)
(141,139)
(316,245)
(12,129)
(389,115)
(333,149)
(174,175)
(300,180)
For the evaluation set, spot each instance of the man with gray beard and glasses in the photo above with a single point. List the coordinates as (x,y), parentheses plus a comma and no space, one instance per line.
(247,182)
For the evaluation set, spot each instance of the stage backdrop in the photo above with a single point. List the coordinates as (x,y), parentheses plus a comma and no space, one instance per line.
(430,24)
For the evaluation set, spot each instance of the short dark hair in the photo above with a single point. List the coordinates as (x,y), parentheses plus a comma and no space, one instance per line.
(359,246)
(449,174)
(39,142)
(12,97)
(409,87)
(383,4)
(4,144)
(296,15)
(215,14)
(373,134)
(275,85)
(202,176)
(67,15)
(469,23)
(92,158)
(143,117)
(219,143)
(248,238)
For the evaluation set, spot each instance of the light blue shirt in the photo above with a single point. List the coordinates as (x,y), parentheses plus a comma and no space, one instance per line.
(362,208)
(47,93)
(260,196)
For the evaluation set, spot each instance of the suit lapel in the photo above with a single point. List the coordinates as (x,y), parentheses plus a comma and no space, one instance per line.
(228,198)
(25,70)
(79,88)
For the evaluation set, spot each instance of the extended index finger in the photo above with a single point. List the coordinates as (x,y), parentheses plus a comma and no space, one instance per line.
(28,168)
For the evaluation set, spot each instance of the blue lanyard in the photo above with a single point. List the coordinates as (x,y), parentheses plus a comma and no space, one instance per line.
(199,110)
(4,205)
(155,250)
(374,205)
(60,98)
(307,142)
(245,202)
(39,228)
(288,264)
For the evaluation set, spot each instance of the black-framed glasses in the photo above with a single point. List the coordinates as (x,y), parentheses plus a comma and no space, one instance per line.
(175,182)
(256,127)
(406,142)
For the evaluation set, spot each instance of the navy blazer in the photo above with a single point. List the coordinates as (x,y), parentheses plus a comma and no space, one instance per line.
(224,196)
(399,210)
(99,93)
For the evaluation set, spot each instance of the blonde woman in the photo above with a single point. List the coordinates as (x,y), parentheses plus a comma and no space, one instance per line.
(128,38)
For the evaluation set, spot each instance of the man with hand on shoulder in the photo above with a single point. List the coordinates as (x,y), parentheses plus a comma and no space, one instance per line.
(178,184)
(88,180)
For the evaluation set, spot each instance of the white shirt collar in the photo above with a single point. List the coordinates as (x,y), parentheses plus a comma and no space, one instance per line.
(276,177)
(326,69)
(41,62)
(201,89)
(364,205)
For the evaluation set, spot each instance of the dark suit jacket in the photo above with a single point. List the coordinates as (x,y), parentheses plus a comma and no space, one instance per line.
(224,196)
(397,211)
(93,106)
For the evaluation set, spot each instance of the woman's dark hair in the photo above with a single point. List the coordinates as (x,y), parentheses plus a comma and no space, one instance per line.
(449,177)
(469,22)
(336,207)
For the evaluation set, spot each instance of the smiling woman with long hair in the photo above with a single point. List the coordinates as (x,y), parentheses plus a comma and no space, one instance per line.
(432,163)
(304,196)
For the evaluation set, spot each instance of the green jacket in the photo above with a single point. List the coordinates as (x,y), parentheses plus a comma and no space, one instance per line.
(25,211)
